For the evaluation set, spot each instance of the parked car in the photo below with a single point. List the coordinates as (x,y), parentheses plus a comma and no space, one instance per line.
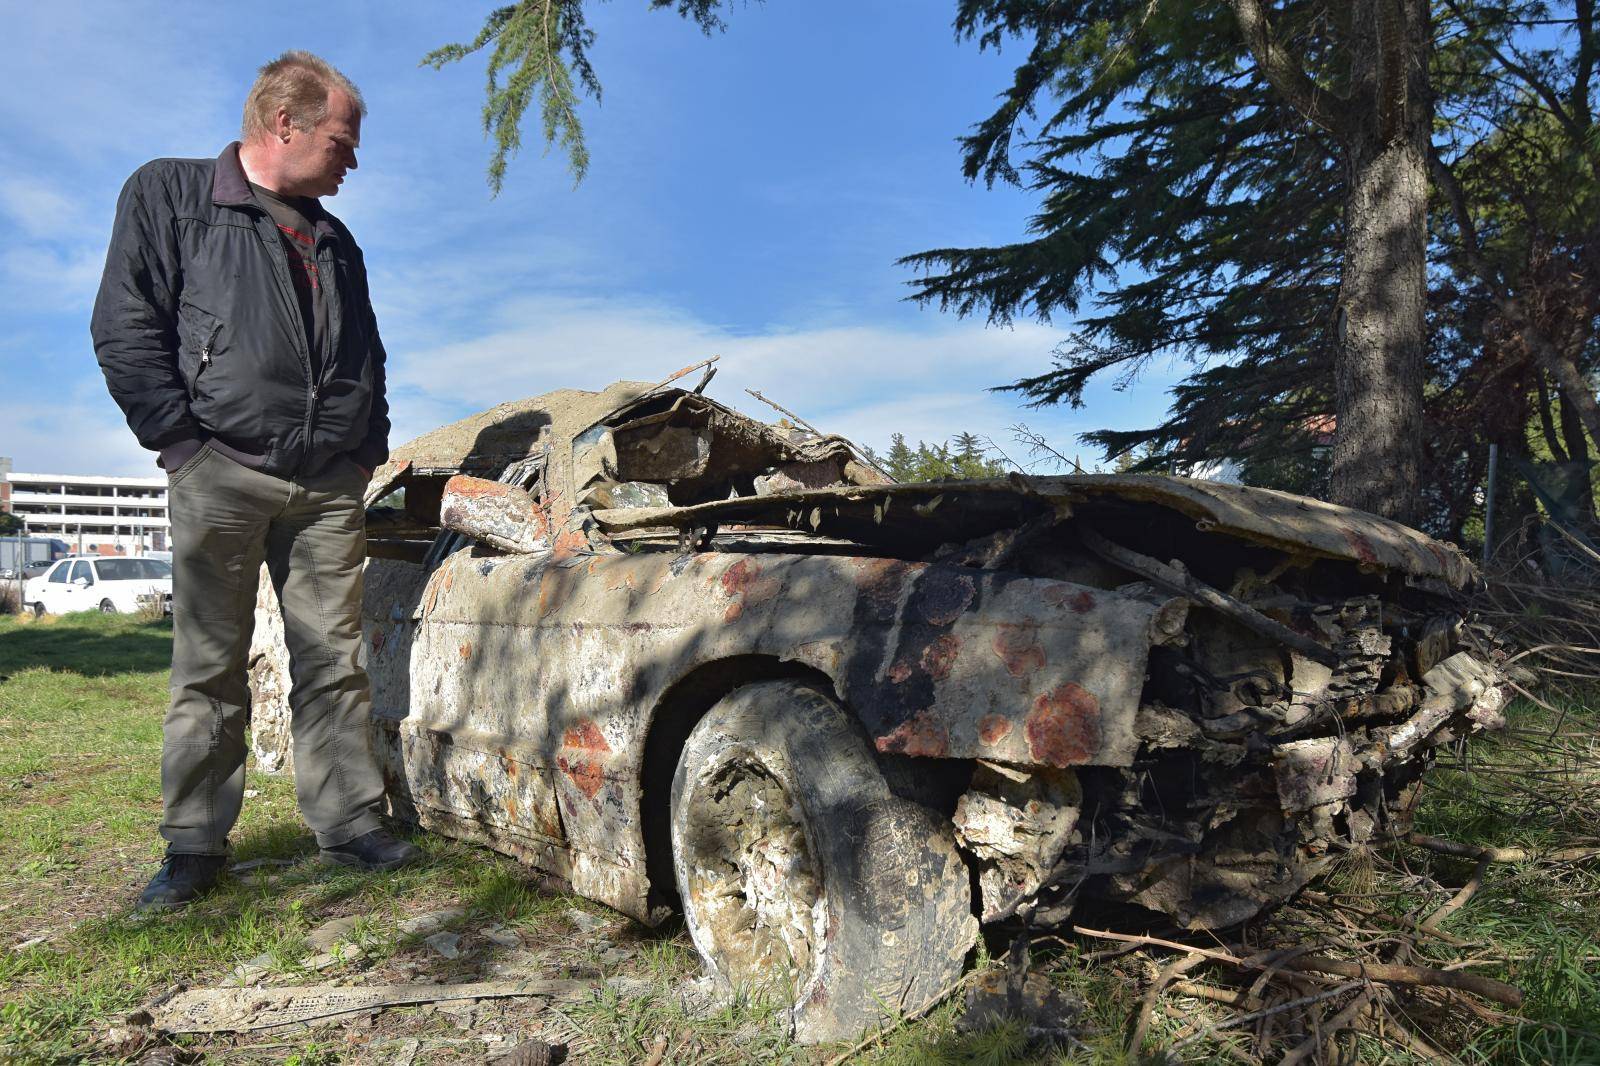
(684,660)
(112,584)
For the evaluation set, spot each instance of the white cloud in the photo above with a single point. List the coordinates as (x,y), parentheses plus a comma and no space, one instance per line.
(864,381)
(78,432)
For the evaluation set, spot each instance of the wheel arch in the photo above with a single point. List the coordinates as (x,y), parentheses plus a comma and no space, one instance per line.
(676,714)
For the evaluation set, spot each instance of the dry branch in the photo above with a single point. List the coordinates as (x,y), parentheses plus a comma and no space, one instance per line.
(1386,973)
(1468,851)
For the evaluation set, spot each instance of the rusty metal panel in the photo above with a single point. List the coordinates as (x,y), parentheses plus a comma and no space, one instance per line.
(1294,524)
(570,655)
(494,513)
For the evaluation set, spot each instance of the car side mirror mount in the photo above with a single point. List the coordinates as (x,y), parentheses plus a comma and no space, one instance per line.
(494,513)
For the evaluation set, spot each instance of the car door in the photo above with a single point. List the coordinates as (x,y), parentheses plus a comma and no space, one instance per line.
(52,590)
(79,592)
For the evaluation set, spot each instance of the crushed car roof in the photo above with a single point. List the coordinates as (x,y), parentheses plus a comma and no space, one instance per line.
(548,424)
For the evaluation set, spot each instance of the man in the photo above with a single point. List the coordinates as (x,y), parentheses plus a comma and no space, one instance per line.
(235,331)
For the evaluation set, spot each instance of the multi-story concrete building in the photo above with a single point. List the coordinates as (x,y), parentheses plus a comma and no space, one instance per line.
(108,515)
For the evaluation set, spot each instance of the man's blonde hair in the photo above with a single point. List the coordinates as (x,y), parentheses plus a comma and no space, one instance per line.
(300,83)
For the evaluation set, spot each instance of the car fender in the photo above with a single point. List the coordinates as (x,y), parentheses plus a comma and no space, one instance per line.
(531,681)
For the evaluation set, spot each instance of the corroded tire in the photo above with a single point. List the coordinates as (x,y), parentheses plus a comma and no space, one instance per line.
(802,876)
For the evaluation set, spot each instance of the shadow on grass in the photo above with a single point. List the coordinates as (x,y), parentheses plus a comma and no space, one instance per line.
(94,645)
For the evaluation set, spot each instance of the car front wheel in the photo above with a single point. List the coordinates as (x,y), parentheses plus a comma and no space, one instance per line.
(803,876)
(38,610)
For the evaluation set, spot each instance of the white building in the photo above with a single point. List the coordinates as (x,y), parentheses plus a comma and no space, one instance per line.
(108,515)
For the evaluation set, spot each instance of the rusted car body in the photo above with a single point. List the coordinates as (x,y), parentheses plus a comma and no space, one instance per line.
(1185,695)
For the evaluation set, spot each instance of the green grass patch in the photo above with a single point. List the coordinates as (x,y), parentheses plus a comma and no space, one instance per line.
(81,704)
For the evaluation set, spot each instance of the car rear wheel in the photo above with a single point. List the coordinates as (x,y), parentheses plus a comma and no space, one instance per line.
(802,875)
(107,607)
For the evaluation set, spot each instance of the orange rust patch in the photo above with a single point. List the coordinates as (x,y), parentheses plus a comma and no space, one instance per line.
(1079,600)
(880,581)
(511,806)
(553,590)
(569,543)
(739,577)
(449,579)
(431,595)
(466,649)
(475,487)
(900,671)
(923,736)
(993,728)
(940,656)
(743,581)
(584,773)
(1017,644)
(1063,729)
(1361,546)
(585,735)
(735,581)
(377,641)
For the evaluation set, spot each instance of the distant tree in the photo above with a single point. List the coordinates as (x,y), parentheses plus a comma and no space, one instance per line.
(10,523)
(961,458)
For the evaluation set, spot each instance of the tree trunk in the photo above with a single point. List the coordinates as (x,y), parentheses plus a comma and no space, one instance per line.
(1378,375)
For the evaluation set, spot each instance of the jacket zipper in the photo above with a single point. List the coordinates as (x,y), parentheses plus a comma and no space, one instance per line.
(205,357)
(280,260)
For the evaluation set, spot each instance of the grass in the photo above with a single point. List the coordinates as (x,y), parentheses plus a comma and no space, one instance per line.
(81,701)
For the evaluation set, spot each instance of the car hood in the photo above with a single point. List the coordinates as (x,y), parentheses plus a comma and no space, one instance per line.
(945,511)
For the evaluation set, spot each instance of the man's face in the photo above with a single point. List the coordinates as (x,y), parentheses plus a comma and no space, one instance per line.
(315,160)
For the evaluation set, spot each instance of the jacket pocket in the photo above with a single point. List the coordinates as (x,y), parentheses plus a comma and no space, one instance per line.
(198,331)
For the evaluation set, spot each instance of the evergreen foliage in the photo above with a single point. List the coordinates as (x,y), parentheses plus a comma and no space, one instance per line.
(1187,212)
(958,459)
(541,48)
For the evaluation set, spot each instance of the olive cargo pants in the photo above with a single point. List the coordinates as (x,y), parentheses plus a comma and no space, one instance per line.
(311,531)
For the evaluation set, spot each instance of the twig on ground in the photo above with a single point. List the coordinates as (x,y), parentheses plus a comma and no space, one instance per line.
(1278,1008)
(1468,851)
(1232,997)
(1417,976)
(1173,969)
(1460,899)
(1386,973)
(1328,901)
(1340,1021)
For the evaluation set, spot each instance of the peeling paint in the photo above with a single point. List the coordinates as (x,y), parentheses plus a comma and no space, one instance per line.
(1017,644)
(1063,728)
(923,736)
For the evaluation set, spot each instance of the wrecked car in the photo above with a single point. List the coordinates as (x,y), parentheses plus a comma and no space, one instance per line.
(684,660)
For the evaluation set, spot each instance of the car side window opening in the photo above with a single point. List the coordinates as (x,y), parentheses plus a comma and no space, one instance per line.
(81,571)
(58,576)
(132,569)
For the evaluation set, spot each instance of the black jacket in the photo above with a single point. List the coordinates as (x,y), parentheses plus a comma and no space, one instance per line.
(199,334)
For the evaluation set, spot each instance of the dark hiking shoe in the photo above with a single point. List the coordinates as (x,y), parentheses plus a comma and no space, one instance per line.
(181,880)
(378,850)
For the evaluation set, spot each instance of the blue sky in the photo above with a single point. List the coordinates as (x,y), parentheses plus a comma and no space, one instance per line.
(748,196)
